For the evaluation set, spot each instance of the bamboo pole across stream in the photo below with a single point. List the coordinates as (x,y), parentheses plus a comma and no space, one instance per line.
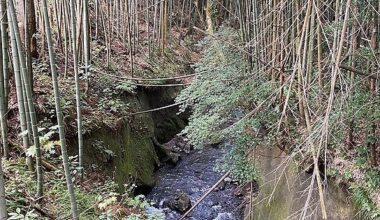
(204,196)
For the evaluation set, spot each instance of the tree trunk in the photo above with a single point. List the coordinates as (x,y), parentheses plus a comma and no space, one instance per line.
(5,60)
(32,24)
(77,87)
(17,46)
(70,186)
(3,119)
(3,206)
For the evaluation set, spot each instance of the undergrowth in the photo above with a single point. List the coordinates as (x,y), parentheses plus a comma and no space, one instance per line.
(97,197)
(218,98)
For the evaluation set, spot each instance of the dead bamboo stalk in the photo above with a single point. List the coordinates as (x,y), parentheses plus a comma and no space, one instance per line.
(205,195)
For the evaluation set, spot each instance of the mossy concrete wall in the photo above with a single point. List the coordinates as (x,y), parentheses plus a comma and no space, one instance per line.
(128,153)
(125,155)
(283,191)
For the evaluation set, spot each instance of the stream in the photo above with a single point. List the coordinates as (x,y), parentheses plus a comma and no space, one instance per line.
(194,175)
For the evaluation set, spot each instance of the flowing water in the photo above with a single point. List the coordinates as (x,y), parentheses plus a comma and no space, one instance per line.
(195,175)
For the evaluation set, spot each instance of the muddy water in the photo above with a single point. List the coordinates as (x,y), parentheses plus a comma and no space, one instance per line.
(194,175)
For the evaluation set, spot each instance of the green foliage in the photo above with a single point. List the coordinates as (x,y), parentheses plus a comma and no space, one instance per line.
(135,217)
(46,142)
(105,150)
(19,215)
(229,103)
(241,168)
(362,158)
(367,209)
(107,215)
(166,64)
(214,93)
(331,172)
(156,216)
(358,111)
(138,201)
(363,107)
(219,98)
(128,87)
(213,9)
(112,102)
(94,202)
(372,178)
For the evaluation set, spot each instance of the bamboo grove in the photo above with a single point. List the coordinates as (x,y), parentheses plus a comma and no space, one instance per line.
(320,57)
(310,84)
(38,29)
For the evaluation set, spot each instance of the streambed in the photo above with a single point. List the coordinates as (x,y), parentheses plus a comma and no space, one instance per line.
(194,175)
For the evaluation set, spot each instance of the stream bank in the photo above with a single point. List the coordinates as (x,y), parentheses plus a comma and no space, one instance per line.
(128,153)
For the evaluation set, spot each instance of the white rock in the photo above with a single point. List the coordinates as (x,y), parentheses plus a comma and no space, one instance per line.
(228,180)
(224,216)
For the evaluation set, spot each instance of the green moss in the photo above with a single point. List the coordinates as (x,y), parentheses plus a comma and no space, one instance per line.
(282,197)
(288,191)
(127,154)
(138,160)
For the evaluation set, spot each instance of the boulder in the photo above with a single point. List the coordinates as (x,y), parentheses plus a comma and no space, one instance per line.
(220,187)
(165,154)
(180,203)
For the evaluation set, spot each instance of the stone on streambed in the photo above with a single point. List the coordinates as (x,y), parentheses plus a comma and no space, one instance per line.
(220,187)
(179,144)
(228,180)
(224,216)
(166,154)
(180,203)
(173,158)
